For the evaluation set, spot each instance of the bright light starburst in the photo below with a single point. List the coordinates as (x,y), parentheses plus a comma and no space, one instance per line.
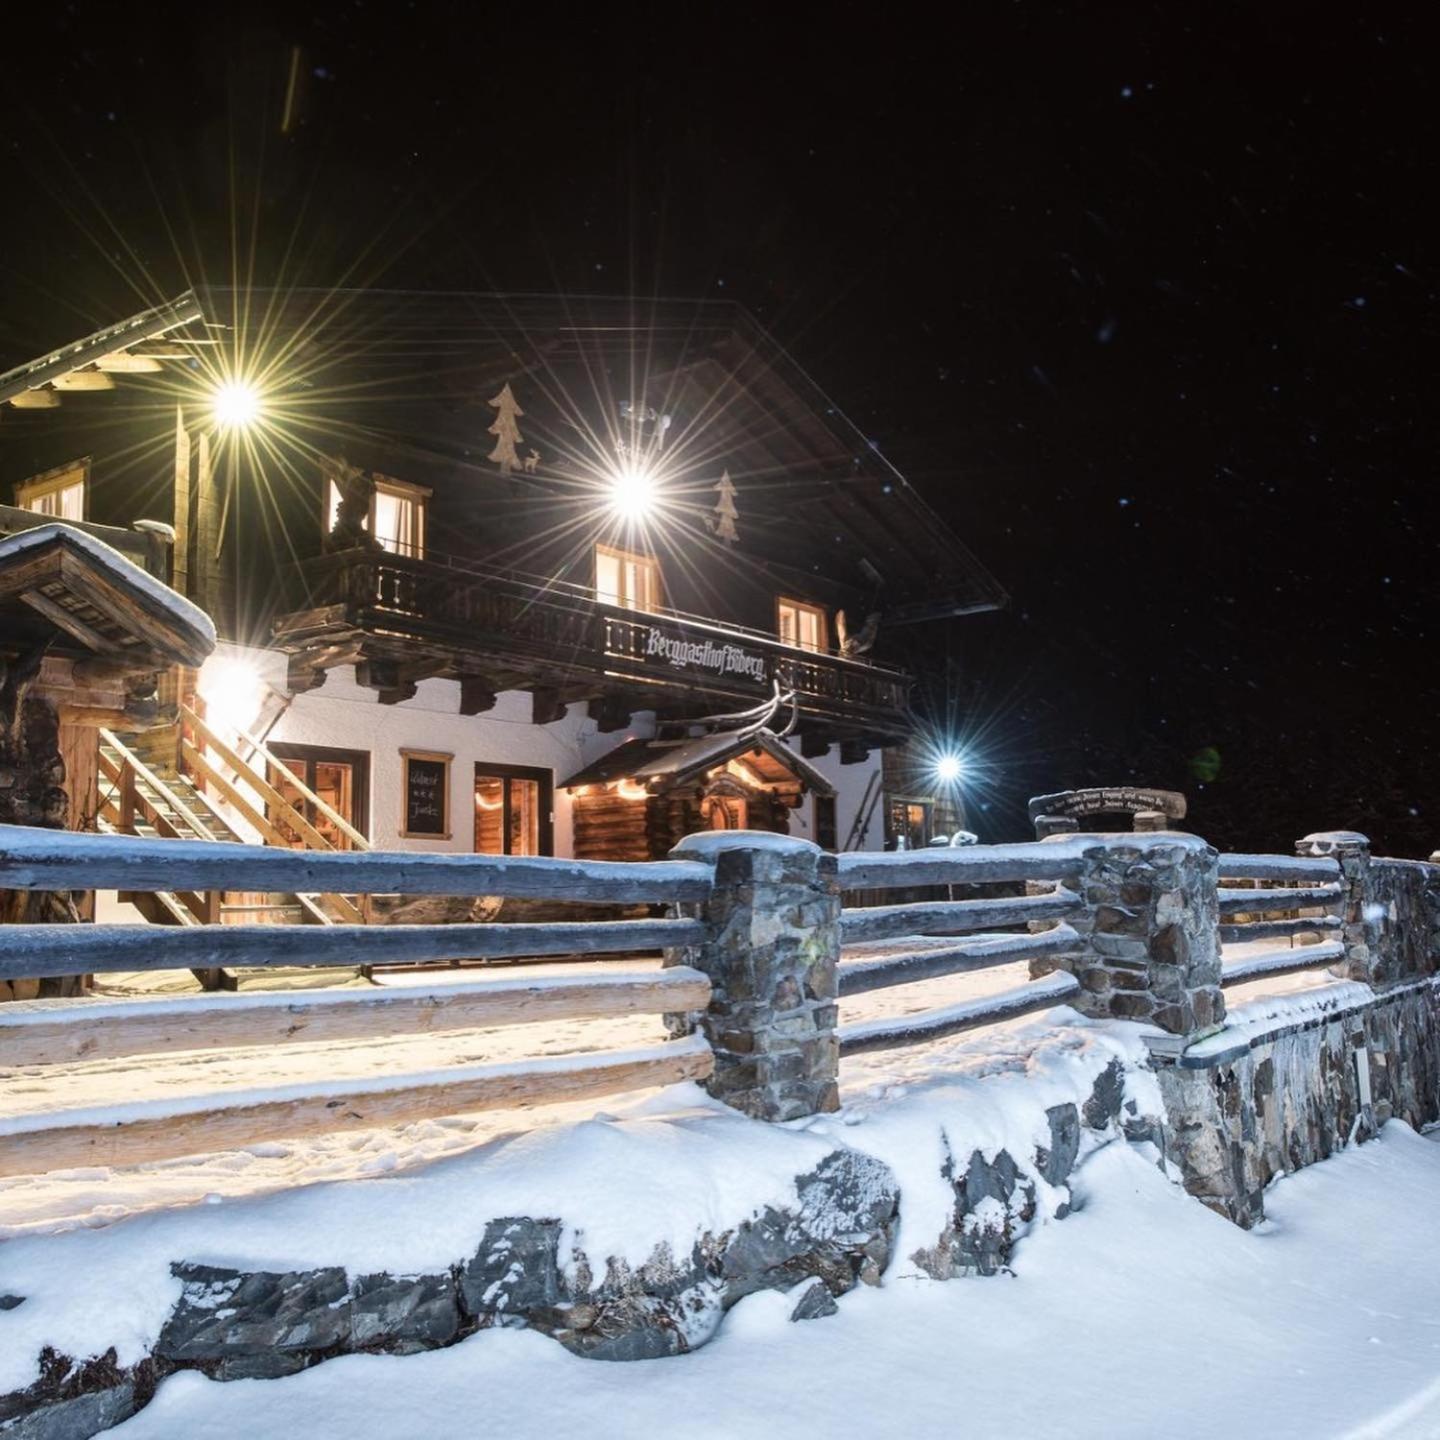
(236,405)
(632,493)
(948,769)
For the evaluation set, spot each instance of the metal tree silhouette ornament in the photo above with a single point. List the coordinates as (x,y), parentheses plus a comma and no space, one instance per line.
(506,431)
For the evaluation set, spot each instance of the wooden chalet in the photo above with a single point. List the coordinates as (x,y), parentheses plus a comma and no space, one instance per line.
(570,565)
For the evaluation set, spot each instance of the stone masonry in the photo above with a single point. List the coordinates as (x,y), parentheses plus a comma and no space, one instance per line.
(772,940)
(1150,941)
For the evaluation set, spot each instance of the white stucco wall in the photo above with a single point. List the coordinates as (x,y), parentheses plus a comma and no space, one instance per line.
(849,782)
(343,715)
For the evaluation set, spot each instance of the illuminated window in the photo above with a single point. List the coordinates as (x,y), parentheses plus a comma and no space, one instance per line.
(907,822)
(513,810)
(397,515)
(623,578)
(60,493)
(802,625)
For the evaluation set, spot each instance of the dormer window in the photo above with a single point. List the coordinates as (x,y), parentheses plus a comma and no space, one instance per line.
(397,515)
(625,578)
(59,493)
(802,625)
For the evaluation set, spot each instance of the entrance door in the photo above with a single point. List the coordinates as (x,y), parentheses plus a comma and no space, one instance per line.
(341,778)
(513,805)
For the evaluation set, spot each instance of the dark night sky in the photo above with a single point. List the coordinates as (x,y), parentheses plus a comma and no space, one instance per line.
(1144,304)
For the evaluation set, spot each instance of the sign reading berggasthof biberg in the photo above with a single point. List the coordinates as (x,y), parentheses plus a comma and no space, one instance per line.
(1113,800)
(685,654)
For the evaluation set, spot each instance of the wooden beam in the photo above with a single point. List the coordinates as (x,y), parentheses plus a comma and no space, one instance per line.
(34,859)
(860,976)
(1262,902)
(71,624)
(970,865)
(813,745)
(854,752)
(36,951)
(610,713)
(35,400)
(48,1032)
(206,1124)
(132,610)
(927,917)
(476,695)
(111,672)
(1279,867)
(928,1025)
(546,705)
(83,380)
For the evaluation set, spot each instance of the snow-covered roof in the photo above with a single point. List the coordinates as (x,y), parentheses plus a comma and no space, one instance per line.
(185,632)
(663,763)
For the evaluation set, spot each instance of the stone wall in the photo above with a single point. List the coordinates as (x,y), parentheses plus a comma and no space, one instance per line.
(1241,1110)
(234,1325)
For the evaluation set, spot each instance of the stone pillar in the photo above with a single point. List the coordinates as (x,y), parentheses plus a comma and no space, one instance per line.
(1360,932)
(1150,933)
(771,949)
(1147,822)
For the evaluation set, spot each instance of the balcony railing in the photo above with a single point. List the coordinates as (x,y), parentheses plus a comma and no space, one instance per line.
(553,633)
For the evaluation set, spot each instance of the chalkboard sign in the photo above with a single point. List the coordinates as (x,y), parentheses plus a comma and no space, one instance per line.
(427,795)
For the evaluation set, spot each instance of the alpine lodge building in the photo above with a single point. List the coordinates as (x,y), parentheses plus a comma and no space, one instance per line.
(511,574)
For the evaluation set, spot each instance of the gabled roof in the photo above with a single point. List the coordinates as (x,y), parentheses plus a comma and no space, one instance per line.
(408,377)
(59,583)
(662,764)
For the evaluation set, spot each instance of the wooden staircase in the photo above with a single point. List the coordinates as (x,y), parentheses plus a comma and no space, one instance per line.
(144,792)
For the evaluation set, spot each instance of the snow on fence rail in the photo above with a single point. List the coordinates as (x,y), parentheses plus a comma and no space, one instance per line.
(1033,865)
(1294,898)
(52,1033)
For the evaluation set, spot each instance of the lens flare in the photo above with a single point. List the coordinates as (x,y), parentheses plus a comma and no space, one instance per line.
(948,769)
(632,493)
(236,405)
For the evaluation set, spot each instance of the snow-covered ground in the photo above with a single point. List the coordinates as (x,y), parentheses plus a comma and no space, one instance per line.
(1142,1315)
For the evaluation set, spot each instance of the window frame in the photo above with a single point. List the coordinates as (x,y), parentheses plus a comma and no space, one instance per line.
(311,755)
(50,482)
(418,495)
(807,607)
(540,775)
(647,559)
(925,802)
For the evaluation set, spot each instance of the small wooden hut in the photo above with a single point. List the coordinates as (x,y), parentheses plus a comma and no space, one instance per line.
(642,798)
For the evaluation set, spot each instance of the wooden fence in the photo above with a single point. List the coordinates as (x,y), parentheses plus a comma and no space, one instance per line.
(1295,899)
(1043,913)
(1007,865)
(58,1032)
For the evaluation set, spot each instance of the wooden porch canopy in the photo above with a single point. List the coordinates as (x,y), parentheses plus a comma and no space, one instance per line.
(660,765)
(73,595)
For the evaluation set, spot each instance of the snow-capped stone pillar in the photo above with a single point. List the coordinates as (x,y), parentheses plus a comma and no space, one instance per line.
(1360,932)
(771,949)
(1151,932)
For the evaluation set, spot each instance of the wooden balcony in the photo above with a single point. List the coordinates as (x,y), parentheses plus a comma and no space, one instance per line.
(401,620)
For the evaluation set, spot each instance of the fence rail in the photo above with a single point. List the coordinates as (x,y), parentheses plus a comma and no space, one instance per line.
(761,955)
(33,859)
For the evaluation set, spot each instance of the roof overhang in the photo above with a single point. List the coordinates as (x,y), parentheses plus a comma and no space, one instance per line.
(70,590)
(661,765)
(32,377)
